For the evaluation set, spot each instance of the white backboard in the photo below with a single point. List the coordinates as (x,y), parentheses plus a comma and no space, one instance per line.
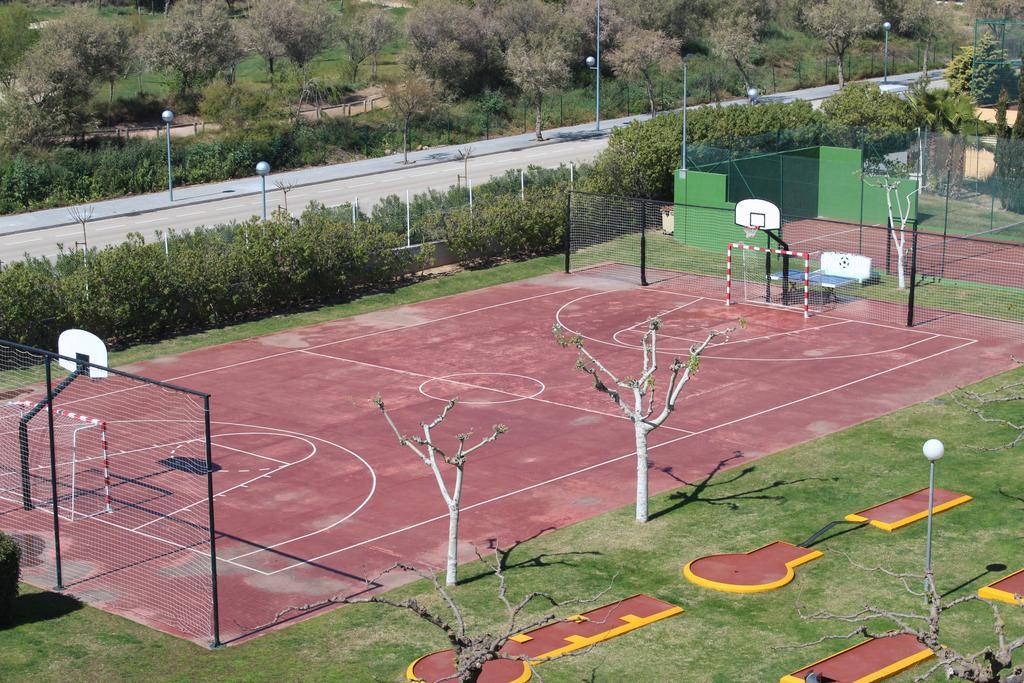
(758,213)
(83,346)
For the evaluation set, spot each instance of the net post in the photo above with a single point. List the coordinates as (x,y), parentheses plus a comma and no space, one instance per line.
(568,229)
(215,603)
(807,285)
(728,275)
(913,276)
(643,244)
(58,569)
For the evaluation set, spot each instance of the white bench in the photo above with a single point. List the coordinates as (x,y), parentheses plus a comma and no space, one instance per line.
(836,269)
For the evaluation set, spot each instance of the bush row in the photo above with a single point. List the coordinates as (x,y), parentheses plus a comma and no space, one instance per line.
(71,175)
(138,291)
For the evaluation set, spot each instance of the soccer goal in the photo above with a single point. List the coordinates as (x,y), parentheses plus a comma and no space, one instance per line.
(751,278)
(81,454)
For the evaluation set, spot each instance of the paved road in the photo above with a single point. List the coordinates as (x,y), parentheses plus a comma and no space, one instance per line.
(38,233)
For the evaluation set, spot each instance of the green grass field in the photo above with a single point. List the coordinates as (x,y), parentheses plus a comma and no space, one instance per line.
(785,496)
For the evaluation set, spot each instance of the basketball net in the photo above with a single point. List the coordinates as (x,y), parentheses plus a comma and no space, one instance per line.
(751,231)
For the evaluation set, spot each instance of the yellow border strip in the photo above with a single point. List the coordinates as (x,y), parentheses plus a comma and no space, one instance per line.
(576,642)
(751,588)
(883,673)
(990,593)
(892,526)
(633,622)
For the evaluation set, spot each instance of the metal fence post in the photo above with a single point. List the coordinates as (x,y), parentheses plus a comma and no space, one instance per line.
(568,229)
(643,243)
(53,475)
(913,277)
(213,530)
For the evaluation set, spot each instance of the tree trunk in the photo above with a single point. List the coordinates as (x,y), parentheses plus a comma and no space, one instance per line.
(373,67)
(453,527)
(453,545)
(641,471)
(743,72)
(650,95)
(841,62)
(110,91)
(927,49)
(538,104)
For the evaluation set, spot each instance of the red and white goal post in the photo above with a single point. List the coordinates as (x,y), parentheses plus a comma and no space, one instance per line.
(77,422)
(769,252)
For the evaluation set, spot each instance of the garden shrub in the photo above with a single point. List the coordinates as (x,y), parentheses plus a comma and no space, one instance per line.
(10,574)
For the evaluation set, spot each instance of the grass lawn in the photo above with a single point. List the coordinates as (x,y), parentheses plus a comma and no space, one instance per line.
(966,217)
(720,637)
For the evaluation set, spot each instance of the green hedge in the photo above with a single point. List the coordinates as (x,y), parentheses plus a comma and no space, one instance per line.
(71,175)
(10,574)
(135,291)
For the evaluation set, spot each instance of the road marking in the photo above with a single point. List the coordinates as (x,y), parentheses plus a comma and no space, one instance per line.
(191,213)
(151,220)
(103,229)
(76,233)
(35,239)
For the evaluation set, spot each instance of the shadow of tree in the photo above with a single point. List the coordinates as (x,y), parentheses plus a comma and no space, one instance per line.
(31,608)
(698,490)
(537,561)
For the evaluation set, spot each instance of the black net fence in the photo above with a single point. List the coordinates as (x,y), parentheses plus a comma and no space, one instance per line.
(105,483)
(898,276)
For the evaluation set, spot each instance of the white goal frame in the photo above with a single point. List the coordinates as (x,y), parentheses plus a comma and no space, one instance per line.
(766,250)
(87,422)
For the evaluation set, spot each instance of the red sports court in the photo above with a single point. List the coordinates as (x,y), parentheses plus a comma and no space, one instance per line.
(313,496)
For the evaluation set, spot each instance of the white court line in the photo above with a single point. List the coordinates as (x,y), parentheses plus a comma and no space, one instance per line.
(255,455)
(751,339)
(620,457)
(331,343)
(420,375)
(532,486)
(369,334)
(244,484)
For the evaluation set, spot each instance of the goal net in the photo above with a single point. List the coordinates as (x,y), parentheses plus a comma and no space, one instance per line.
(81,480)
(776,277)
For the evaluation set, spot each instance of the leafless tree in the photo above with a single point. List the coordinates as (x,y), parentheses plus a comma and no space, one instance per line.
(453,44)
(1006,398)
(840,23)
(472,650)
(285,187)
(430,454)
(992,664)
(640,411)
(899,208)
(355,37)
(640,51)
(408,100)
(537,65)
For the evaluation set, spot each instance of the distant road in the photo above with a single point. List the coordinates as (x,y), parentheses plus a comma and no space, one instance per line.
(38,233)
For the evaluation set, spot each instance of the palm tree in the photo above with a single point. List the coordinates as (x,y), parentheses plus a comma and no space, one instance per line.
(946,116)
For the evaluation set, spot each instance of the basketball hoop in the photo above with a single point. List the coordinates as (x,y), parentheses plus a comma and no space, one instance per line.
(751,231)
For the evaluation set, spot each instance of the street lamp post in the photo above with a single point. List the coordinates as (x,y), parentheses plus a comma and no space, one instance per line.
(167,117)
(595,64)
(262,169)
(933,451)
(885,55)
(684,118)
(753,94)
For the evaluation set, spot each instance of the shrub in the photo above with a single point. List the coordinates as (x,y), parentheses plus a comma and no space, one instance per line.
(642,157)
(865,105)
(10,574)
